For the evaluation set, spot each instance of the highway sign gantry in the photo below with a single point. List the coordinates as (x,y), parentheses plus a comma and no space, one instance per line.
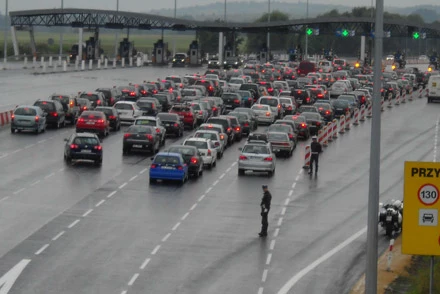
(421,231)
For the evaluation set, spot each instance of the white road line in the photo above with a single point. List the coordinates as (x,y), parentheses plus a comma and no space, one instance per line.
(73,224)
(286,288)
(133,279)
(209,190)
(142,171)
(41,249)
(4,155)
(260,291)
(280,221)
(124,292)
(272,244)
(283,211)
(269,258)
(16,150)
(264,277)
(132,178)
(58,236)
(65,132)
(300,171)
(201,197)
(49,175)
(290,193)
(144,264)
(123,185)
(193,207)
(4,198)
(18,191)
(293,185)
(275,234)
(111,194)
(29,146)
(222,176)
(215,183)
(166,237)
(87,212)
(228,169)
(61,169)
(175,226)
(42,141)
(36,182)
(233,164)
(185,216)
(297,178)
(286,202)
(99,203)
(155,250)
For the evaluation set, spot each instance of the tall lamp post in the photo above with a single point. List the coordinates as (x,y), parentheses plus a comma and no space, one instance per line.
(61,32)
(307,36)
(5,49)
(117,32)
(268,31)
(175,16)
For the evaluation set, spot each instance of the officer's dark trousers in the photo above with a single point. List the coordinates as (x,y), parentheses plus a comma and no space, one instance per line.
(314,159)
(264,223)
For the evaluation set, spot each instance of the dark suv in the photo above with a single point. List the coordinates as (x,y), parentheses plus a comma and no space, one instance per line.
(210,87)
(227,125)
(112,95)
(55,112)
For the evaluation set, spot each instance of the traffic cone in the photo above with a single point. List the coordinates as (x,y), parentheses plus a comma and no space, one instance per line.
(325,143)
(382,102)
(342,124)
(370,110)
(329,131)
(307,158)
(362,114)
(390,102)
(347,121)
(398,99)
(420,93)
(356,117)
(335,129)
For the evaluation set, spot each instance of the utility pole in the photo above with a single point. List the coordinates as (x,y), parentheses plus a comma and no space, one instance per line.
(5,49)
(61,32)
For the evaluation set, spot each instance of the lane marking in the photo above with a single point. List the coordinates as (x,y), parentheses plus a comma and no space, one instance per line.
(155,250)
(175,226)
(49,175)
(280,221)
(215,183)
(123,185)
(61,169)
(201,197)
(275,234)
(222,176)
(193,207)
(17,150)
(29,146)
(73,224)
(286,202)
(286,288)
(99,203)
(132,178)
(293,185)
(42,141)
(41,249)
(269,258)
(297,178)
(133,279)
(9,278)
(272,244)
(4,198)
(166,237)
(58,236)
(18,191)
(4,155)
(87,212)
(283,211)
(209,189)
(185,216)
(290,193)
(260,291)
(228,169)
(65,132)
(124,292)
(142,171)
(233,164)
(264,277)
(301,171)
(111,194)
(145,263)
(36,182)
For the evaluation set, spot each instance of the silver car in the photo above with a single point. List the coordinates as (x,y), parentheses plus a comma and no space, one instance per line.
(215,138)
(281,143)
(28,118)
(264,113)
(257,157)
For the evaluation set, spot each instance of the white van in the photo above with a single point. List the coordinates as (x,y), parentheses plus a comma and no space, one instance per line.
(433,88)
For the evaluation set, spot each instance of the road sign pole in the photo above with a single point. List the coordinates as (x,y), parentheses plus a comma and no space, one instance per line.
(373,197)
(431,276)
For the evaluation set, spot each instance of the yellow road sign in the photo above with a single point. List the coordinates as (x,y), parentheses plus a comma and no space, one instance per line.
(421,227)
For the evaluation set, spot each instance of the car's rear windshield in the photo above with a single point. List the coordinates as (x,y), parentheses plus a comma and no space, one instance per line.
(85,141)
(91,97)
(181,109)
(255,149)
(168,117)
(340,103)
(197,144)
(276,137)
(123,106)
(46,106)
(206,136)
(166,159)
(92,115)
(139,129)
(25,111)
(279,128)
(145,122)
(269,101)
(105,110)
(182,150)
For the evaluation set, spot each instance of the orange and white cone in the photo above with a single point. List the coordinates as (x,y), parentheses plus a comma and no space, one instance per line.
(362,113)
(307,158)
(420,93)
(356,117)
(347,121)
(398,99)
(329,131)
(325,136)
(342,124)
(370,110)
(405,95)
(382,102)
(335,129)
(390,101)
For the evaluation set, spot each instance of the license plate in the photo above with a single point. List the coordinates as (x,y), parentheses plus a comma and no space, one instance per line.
(339,109)
(168,167)
(90,123)
(434,84)
(389,218)
(137,146)
(276,150)
(228,106)
(86,151)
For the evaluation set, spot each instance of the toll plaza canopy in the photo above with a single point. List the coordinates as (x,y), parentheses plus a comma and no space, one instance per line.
(92,18)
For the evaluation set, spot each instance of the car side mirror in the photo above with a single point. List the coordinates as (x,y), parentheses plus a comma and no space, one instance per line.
(152,158)
(240,148)
(65,139)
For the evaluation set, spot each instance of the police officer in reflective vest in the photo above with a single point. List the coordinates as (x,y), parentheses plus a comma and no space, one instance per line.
(265,207)
(314,158)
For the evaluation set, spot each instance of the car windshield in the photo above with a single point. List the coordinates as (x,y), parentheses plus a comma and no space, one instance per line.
(310,115)
(168,117)
(260,107)
(340,103)
(197,144)
(321,106)
(161,98)
(189,92)
(285,101)
(90,96)
(25,111)
(123,106)
(338,61)
(278,128)
(255,149)
(236,81)
(182,150)
(139,129)
(108,111)
(269,101)
(145,122)
(146,104)
(277,137)
(46,106)
(86,141)
(206,135)
(229,96)
(346,98)
(166,159)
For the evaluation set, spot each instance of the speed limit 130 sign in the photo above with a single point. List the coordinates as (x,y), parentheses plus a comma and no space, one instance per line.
(421,227)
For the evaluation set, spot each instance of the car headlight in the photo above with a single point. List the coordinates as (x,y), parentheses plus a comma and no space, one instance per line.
(224,62)
(236,62)
(174,60)
(183,60)
(209,62)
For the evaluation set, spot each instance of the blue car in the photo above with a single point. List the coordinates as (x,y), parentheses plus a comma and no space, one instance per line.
(168,166)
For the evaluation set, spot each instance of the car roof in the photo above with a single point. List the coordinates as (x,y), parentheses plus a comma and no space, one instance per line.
(147,117)
(125,102)
(197,139)
(163,153)
(88,135)
(28,106)
(207,131)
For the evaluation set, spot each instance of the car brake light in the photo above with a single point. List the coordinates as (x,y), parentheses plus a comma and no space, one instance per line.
(179,167)
(209,152)
(153,165)
(100,121)
(236,101)
(308,99)
(320,95)
(12,117)
(290,136)
(246,124)
(268,113)
(200,112)
(126,135)
(318,124)
(210,88)
(289,107)
(112,117)
(37,118)
(54,114)
(242,157)
(98,147)
(303,125)
(176,125)
(149,137)
(85,108)
(214,109)
(222,137)
(143,92)
(74,146)
(194,160)
(98,102)
(268,159)
(327,112)
(132,94)
(229,129)
(270,89)
(237,129)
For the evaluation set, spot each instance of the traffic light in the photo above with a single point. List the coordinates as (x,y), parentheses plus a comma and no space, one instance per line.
(345,33)
(416,35)
(309,31)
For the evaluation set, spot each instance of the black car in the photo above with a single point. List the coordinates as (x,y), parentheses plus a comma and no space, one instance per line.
(302,96)
(112,95)
(314,121)
(341,107)
(226,123)
(148,107)
(164,100)
(326,111)
(55,112)
(231,101)
(300,125)
(83,146)
(112,116)
(231,62)
(192,158)
(129,93)
(214,63)
(140,137)
(179,59)
(245,122)
(172,123)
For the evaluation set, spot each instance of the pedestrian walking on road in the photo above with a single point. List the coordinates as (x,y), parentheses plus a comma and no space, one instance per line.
(316,149)
(265,207)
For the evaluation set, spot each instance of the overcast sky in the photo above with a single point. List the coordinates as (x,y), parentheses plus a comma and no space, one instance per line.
(147,5)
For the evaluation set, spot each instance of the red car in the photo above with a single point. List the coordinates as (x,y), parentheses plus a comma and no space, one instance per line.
(186,114)
(93,122)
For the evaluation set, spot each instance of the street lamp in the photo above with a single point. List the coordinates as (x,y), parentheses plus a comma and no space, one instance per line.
(5,50)
(268,30)
(175,16)
(61,29)
(307,35)
(117,32)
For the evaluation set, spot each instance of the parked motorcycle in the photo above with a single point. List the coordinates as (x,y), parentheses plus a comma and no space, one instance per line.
(390,217)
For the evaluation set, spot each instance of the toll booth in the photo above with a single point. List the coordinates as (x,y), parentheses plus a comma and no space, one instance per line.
(263,55)
(228,51)
(160,52)
(194,53)
(126,48)
(92,50)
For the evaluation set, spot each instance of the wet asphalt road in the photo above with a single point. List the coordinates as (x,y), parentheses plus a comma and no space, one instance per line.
(105,230)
